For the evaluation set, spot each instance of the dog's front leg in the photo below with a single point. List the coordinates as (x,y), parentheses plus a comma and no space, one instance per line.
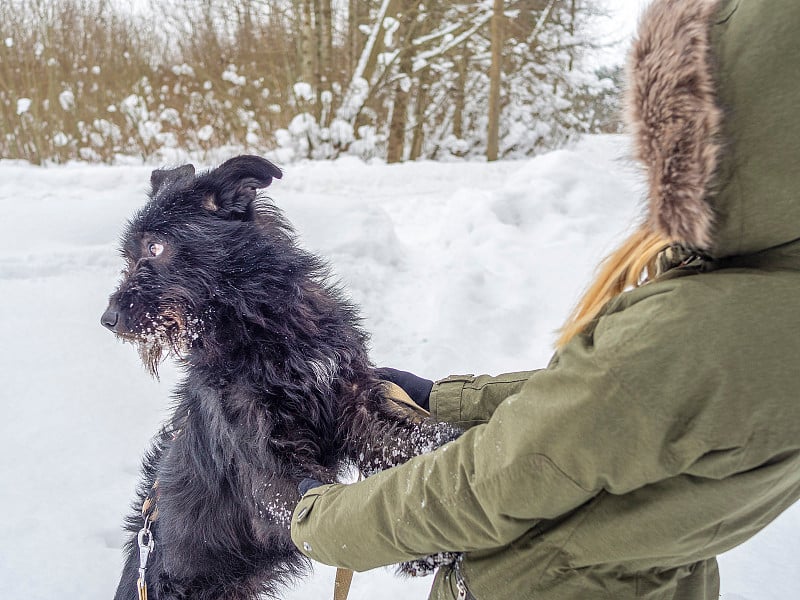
(386,438)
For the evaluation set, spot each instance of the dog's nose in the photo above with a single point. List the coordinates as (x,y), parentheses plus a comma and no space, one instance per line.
(110,319)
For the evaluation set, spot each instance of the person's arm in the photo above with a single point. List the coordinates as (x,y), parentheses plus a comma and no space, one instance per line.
(481,491)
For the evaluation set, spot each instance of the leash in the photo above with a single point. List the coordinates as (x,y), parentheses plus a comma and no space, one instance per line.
(341,587)
(146,540)
(146,546)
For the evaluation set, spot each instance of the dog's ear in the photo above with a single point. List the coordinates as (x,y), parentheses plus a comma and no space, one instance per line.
(161,177)
(235,184)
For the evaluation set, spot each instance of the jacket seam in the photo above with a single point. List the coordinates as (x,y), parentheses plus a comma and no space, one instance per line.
(480,387)
(560,471)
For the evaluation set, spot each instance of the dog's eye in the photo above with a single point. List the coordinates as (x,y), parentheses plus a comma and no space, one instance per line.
(154,248)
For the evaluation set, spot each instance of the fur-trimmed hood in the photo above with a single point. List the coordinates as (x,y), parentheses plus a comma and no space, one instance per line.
(713,88)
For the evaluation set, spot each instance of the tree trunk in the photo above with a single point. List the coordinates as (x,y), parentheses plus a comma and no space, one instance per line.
(419,115)
(324,54)
(353,35)
(307,42)
(572,17)
(371,71)
(495,73)
(325,28)
(402,89)
(364,68)
(460,95)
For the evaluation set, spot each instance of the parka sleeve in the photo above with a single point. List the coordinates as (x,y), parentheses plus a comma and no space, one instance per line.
(576,428)
(466,401)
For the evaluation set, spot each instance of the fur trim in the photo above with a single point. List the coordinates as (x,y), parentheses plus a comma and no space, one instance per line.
(672,112)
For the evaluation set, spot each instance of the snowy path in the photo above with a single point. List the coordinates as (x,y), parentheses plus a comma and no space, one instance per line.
(463,267)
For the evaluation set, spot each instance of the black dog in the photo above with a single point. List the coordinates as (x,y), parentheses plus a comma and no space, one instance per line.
(278,385)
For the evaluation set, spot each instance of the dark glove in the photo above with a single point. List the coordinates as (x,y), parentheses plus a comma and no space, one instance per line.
(308,484)
(417,388)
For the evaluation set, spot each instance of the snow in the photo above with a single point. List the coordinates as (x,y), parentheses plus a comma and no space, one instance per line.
(390,27)
(459,267)
(301,124)
(303,91)
(205,133)
(23,104)
(231,76)
(183,69)
(67,100)
(60,139)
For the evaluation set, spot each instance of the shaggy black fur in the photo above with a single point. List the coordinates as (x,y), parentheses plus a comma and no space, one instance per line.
(278,385)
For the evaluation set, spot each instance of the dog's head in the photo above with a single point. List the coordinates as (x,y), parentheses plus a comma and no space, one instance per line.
(195,240)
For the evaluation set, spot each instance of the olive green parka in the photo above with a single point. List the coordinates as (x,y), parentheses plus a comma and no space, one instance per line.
(669,431)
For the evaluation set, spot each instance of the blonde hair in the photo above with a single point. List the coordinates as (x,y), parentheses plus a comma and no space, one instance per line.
(632,265)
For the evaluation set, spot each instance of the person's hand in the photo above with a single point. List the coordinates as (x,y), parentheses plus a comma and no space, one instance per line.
(418,388)
(308,484)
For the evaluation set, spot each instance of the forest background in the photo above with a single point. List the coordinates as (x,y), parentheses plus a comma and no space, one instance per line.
(101,81)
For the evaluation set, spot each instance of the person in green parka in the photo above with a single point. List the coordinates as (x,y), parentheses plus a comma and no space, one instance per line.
(666,429)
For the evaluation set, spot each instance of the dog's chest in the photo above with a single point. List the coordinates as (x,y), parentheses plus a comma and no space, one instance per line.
(264,432)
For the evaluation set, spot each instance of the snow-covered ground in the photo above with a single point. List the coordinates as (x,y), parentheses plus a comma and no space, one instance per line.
(460,267)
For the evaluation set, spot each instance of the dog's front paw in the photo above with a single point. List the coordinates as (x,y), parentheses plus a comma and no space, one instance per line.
(427,565)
